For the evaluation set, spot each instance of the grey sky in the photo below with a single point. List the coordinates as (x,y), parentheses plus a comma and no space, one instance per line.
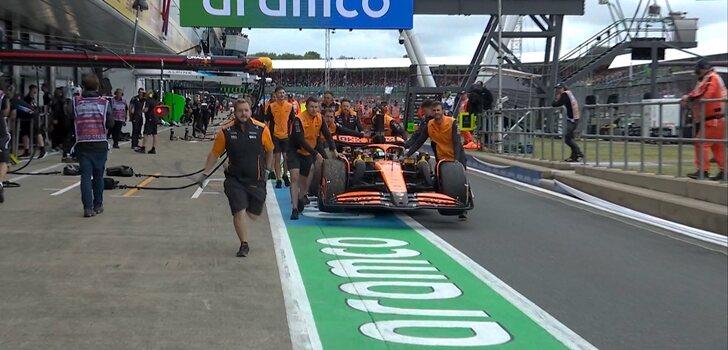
(458,35)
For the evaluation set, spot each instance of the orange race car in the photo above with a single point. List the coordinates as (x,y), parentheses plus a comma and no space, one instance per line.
(377,176)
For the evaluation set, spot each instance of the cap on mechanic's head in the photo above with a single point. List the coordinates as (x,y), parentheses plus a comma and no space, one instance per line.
(560,86)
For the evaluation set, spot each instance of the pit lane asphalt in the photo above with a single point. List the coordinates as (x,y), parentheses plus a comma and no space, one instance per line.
(618,285)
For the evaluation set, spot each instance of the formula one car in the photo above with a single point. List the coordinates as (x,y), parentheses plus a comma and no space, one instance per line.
(371,175)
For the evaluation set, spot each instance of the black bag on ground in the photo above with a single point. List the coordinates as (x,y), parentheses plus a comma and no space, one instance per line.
(110,184)
(72,170)
(120,171)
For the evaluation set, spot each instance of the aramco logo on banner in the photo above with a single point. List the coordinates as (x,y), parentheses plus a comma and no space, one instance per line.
(324,14)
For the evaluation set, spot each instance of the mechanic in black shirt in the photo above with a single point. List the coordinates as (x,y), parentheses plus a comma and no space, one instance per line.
(137,108)
(347,118)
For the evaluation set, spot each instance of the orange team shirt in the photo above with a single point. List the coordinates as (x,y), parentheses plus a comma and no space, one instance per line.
(218,147)
(387,124)
(311,129)
(281,111)
(441,134)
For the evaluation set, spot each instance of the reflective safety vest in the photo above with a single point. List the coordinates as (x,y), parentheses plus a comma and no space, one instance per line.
(574,105)
(119,109)
(90,119)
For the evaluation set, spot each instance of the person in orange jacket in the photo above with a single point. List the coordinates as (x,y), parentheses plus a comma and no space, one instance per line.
(709,86)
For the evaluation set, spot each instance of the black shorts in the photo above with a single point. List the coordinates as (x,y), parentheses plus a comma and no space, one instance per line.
(280,145)
(25,127)
(4,148)
(150,127)
(298,161)
(243,196)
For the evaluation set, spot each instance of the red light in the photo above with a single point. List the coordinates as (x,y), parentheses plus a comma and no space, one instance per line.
(161,111)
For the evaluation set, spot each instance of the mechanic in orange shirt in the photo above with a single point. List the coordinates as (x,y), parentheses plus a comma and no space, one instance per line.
(384,125)
(709,86)
(249,148)
(279,115)
(302,154)
(443,131)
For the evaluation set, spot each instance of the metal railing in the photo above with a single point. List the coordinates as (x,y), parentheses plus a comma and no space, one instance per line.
(653,136)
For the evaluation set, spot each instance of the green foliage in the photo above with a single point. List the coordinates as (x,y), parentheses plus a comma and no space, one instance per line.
(310,55)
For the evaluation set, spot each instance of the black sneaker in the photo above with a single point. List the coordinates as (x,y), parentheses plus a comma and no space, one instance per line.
(43,153)
(294,214)
(696,175)
(152,151)
(88,213)
(286,180)
(279,184)
(243,251)
(99,210)
(571,160)
(306,201)
(24,155)
(301,205)
(140,150)
(2,195)
(717,177)
(463,216)
(271,176)
(116,146)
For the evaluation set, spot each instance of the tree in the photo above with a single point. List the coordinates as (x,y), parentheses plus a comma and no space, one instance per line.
(312,55)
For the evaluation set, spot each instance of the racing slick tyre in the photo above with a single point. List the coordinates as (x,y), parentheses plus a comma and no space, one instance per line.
(424,168)
(313,190)
(358,170)
(453,182)
(333,183)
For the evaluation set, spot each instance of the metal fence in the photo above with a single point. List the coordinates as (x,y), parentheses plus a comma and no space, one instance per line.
(652,136)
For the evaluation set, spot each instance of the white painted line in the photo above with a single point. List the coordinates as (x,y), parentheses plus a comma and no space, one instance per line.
(301,324)
(538,315)
(698,234)
(199,190)
(58,193)
(16,179)
(51,189)
(206,193)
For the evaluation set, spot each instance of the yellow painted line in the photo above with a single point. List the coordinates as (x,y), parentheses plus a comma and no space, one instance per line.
(145,182)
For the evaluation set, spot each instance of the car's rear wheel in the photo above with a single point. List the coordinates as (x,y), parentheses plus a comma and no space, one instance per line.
(333,183)
(453,182)
(313,190)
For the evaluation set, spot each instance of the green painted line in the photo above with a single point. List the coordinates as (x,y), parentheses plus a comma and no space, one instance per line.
(413,294)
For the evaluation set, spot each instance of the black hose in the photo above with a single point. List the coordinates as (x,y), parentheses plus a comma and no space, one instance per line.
(176,176)
(16,172)
(170,176)
(124,187)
